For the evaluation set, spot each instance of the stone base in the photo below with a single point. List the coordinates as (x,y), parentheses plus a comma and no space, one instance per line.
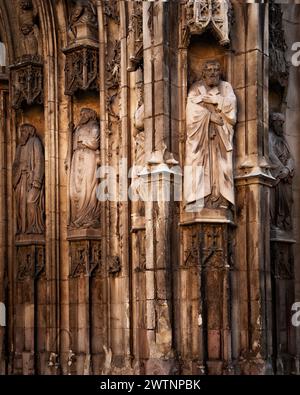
(84,234)
(282,236)
(138,223)
(206,215)
(30,239)
(157,366)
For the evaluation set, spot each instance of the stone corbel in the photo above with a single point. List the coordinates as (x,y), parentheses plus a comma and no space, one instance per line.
(26,77)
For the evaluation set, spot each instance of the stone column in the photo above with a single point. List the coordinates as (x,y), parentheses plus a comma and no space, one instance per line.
(252,306)
(158,217)
(3,212)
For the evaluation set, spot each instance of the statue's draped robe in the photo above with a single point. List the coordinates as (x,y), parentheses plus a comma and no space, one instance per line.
(85,208)
(208,145)
(29,170)
(282,194)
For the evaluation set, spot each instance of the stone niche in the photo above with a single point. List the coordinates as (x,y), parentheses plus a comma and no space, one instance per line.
(26,81)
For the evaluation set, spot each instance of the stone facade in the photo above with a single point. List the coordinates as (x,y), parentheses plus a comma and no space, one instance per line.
(96,283)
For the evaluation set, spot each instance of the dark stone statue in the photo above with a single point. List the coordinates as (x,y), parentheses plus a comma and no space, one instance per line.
(282,169)
(28,182)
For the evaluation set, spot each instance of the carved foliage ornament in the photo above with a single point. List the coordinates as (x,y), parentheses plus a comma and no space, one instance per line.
(204,14)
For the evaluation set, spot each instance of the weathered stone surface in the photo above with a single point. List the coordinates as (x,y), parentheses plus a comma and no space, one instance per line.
(144,287)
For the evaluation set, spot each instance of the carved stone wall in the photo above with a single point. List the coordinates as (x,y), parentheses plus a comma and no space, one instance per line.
(114,286)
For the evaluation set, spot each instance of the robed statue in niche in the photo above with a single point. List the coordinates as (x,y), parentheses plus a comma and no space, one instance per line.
(28,182)
(28,28)
(282,169)
(210,118)
(85,207)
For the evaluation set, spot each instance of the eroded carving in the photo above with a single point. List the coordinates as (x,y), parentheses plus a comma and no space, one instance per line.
(85,258)
(282,169)
(29,31)
(202,15)
(28,182)
(81,69)
(114,265)
(210,118)
(135,37)
(85,207)
(30,261)
(83,22)
(279,70)
(27,83)
(111,10)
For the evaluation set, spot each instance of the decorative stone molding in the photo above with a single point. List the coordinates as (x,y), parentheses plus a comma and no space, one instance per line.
(135,37)
(81,69)
(26,79)
(30,261)
(85,258)
(202,15)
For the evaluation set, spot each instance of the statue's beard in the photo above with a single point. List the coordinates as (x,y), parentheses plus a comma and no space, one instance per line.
(84,121)
(212,81)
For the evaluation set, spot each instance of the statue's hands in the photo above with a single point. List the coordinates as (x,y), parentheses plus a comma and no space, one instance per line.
(33,194)
(216,118)
(284,173)
(209,99)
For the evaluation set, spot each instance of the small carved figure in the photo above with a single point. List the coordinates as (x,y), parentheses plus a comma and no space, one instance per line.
(85,208)
(210,118)
(28,182)
(83,15)
(28,28)
(282,169)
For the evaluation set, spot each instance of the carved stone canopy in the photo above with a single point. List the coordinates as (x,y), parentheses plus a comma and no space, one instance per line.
(209,14)
(26,77)
(81,69)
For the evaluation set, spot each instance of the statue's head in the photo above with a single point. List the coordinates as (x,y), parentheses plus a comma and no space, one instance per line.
(211,73)
(26,4)
(26,130)
(26,28)
(86,115)
(277,120)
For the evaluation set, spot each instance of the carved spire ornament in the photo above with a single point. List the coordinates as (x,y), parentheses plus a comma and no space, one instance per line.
(209,14)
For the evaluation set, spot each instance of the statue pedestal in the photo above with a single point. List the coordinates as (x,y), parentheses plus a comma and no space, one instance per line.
(283,294)
(26,80)
(82,67)
(206,261)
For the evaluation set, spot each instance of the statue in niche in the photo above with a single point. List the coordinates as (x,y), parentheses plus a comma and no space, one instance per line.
(210,118)
(85,208)
(83,20)
(140,159)
(28,182)
(282,169)
(28,28)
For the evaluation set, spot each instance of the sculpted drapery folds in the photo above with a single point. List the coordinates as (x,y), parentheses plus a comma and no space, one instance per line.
(28,182)
(210,118)
(282,169)
(83,15)
(28,28)
(85,208)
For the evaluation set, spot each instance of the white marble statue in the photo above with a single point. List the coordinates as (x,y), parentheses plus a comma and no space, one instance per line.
(85,208)
(210,118)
